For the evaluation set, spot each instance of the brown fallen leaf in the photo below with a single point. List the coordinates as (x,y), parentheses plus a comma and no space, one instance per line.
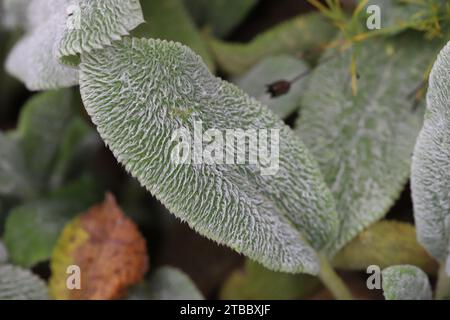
(108,249)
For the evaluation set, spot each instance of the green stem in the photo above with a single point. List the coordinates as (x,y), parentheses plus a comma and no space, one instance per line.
(332,281)
(443,284)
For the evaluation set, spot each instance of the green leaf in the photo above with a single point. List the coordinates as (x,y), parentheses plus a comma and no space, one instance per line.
(296,36)
(41,128)
(430,175)
(13,13)
(259,283)
(3,254)
(406,283)
(270,70)
(77,143)
(20,284)
(97,23)
(31,230)
(364,142)
(32,60)
(169,20)
(167,283)
(384,244)
(140,92)
(220,15)
(14,175)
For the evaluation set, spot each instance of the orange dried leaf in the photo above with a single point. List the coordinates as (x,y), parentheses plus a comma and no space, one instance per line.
(108,249)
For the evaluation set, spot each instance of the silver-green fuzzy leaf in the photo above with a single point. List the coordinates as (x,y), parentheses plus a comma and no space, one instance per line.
(270,70)
(167,284)
(364,142)
(14,175)
(430,181)
(94,24)
(406,282)
(13,13)
(41,128)
(20,284)
(139,92)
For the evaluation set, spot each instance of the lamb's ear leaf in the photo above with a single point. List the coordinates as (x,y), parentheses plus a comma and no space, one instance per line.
(406,282)
(142,93)
(15,180)
(258,283)
(430,177)
(167,283)
(31,230)
(271,70)
(95,24)
(13,13)
(384,244)
(302,34)
(20,284)
(220,15)
(41,128)
(160,17)
(4,257)
(364,140)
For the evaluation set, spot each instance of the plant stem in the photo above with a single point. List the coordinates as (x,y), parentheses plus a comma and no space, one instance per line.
(443,284)
(332,281)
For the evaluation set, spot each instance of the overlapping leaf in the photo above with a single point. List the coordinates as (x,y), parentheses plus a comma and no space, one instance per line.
(431,164)
(406,282)
(140,92)
(270,70)
(20,284)
(61,29)
(304,35)
(364,142)
(167,283)
(220,15)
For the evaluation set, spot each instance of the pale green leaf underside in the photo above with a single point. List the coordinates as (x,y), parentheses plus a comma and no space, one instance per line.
(431,164)
(167,283)
(297,36)
(100,23)
(273,69)
(219,15)
(406,282)
(20,284)
(138,92)
(364,143)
